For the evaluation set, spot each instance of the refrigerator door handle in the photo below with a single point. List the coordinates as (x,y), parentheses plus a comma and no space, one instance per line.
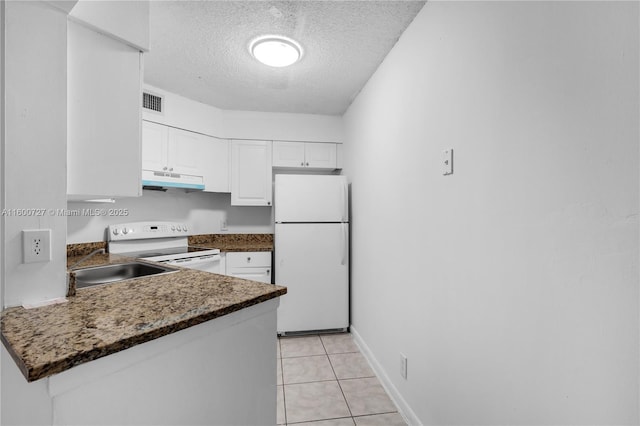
(344,243)
(345,205)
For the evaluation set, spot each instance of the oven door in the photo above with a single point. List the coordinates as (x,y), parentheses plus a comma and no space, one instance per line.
(210,263)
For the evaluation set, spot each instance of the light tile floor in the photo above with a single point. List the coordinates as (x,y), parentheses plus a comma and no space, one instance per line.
(323,380)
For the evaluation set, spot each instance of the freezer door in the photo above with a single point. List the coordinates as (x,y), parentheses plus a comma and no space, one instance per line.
(312,261)
(311,198)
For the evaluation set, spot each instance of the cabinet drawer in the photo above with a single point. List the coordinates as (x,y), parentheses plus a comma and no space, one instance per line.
(249,259)
(254,274)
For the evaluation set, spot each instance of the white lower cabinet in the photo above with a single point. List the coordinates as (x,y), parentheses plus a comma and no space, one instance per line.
(251,173)
(196,376)
(254,266)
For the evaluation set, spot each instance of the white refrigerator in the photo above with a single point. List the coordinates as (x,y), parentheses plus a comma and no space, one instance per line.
(312,252)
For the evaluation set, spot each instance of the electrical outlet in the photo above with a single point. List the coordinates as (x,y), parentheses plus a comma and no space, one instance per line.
(223,225)
(36,245)
(403,365)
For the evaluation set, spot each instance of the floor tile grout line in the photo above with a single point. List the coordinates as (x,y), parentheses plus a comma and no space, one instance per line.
(322,420)
(340,386)
(328,355)
(343,417)
(309,381)
(284,397)
(313,381)
(377,414)
(356,378)
(305,356)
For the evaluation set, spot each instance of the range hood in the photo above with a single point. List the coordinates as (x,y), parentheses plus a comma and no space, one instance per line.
(157,180)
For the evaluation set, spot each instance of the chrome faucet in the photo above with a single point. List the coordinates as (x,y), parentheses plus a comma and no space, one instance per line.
(96,251)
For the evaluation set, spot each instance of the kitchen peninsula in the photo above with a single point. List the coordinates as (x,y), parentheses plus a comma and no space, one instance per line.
(200,348)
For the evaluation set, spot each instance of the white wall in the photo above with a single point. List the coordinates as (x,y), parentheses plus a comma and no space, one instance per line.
(203,211)
(282,126)
(198,117)
(185,113)
(34,145)
(511,285)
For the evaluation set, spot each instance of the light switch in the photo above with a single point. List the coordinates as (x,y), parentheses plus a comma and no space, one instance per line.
(447,161)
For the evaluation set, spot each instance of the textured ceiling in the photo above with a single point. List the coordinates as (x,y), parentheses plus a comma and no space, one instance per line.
(199,49)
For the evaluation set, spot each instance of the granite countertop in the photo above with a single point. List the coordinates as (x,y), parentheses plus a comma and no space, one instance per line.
(106,319)
(234,242)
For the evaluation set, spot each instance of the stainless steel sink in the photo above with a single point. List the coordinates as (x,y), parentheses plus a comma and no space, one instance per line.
(112,273)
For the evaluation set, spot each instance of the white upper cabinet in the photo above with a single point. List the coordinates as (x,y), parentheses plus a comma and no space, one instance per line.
(214,163)
(167,149)
(251,173)
(320,155)
(184,152)
(103,116)
(310,155)
(155,146)
(288,154)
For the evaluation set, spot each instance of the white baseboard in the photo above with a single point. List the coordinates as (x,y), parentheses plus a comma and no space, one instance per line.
(403,408)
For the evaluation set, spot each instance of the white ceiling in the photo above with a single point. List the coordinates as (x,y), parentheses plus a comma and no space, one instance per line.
(199,49)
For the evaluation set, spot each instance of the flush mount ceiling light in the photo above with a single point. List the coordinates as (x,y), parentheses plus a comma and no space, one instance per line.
(276,51)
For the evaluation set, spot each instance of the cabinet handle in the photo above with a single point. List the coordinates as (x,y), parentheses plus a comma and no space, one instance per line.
(164,168)
(269,202)
(302,164)
(307,164)
(248,259)
(171,169)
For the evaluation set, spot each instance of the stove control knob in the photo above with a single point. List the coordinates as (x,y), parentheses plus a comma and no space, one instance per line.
(116,231)
(184,228)
(173,227)
(125,231)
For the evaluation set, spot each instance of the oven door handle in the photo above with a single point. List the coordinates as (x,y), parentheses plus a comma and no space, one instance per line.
(187,261)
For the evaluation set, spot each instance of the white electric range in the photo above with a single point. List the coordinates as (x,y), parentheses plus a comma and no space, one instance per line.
(165,242)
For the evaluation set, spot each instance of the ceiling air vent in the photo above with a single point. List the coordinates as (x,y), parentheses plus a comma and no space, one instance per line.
(151,102)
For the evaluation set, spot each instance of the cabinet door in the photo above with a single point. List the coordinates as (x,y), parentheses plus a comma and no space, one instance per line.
(155,145)
(103,122)
(183,151)
(320,155)
(213,162)
(251,173)
(288,154)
